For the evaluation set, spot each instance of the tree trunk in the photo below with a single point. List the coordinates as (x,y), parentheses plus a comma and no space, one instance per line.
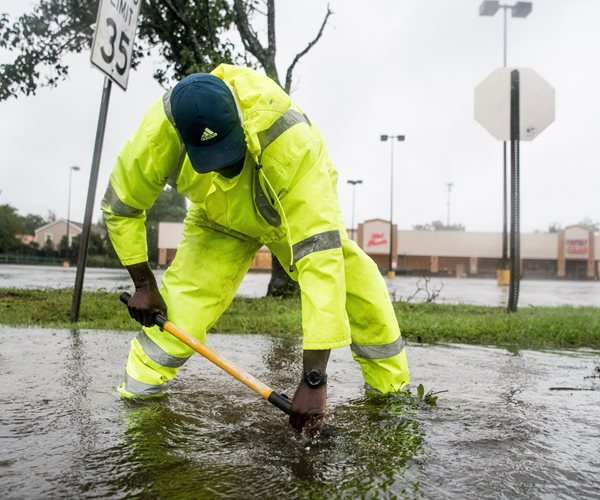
(281,285)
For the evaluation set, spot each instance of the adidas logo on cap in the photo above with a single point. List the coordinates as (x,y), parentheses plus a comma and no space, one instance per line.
(208,134)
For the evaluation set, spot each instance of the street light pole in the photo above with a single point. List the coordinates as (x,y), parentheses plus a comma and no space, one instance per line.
(391,273)
(520,9)
(504,37)
(449,186)
(354,183)
(71,170)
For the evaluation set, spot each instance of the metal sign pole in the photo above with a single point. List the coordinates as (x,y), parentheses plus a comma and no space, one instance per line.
(504,209)
(89,207)
(504,170)
(515,244)
(112,51)
(390,272)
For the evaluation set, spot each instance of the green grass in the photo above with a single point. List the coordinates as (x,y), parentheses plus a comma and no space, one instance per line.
(530,327)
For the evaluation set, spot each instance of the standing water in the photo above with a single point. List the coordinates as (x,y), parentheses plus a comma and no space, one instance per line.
(509,425)
(451,290)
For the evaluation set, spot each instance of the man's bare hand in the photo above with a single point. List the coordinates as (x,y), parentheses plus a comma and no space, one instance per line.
(308,408)
(147,301)
(144,304)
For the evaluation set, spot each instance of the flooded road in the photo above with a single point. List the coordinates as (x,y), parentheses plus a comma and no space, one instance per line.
(511,425)
(452,290)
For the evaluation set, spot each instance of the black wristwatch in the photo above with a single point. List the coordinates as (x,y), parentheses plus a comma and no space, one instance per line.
(314,378)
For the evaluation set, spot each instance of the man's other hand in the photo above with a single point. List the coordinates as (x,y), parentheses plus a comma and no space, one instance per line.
(147,301)
(144,304)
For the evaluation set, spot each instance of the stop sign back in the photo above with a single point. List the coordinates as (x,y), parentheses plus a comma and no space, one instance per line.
(492,104)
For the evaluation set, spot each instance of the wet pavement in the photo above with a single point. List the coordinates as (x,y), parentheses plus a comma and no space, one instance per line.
(509,425)
(451,290)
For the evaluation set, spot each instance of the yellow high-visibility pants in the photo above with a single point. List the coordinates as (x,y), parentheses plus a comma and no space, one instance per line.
(201,283)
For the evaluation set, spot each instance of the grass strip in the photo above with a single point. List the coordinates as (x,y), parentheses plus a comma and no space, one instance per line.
(529,328)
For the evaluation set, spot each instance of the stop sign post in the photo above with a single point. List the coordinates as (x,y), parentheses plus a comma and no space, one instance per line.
(513,105)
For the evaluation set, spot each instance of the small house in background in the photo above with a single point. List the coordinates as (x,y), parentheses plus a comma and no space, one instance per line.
(55,231)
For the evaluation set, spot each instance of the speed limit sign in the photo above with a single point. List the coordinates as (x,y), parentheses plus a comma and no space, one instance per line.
(113,38)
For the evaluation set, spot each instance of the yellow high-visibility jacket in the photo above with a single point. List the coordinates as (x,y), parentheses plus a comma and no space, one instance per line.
(285,197)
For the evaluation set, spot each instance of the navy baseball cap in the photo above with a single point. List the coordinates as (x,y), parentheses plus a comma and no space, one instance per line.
(207,120)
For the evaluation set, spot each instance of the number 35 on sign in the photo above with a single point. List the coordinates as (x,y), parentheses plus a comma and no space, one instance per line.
(114,37)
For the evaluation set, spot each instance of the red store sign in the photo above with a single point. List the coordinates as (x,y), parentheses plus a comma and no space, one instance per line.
(577,246)
(377,239)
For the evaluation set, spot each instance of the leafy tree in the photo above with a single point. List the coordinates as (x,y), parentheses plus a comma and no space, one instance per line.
(29,249)
(31,222)
(97,245)
(170,206)
(438,225)
(48,249)
(10,226)
(190,35)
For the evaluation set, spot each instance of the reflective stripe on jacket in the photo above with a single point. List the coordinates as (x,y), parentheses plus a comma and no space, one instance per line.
(285,196)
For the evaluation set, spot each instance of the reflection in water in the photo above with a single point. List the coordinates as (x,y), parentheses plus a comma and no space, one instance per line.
(455,290)
(199,449)
(499,431)
(76,382)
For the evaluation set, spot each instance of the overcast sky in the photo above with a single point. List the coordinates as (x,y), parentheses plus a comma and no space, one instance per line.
(382,67)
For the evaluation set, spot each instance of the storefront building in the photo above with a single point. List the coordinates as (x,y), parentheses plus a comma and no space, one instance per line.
(571,253)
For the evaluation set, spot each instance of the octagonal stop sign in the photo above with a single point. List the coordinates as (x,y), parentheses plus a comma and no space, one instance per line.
(492,104)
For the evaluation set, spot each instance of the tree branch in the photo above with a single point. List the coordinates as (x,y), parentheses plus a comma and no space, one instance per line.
(288,74)
(192,32)
(249,38)
(272,43)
